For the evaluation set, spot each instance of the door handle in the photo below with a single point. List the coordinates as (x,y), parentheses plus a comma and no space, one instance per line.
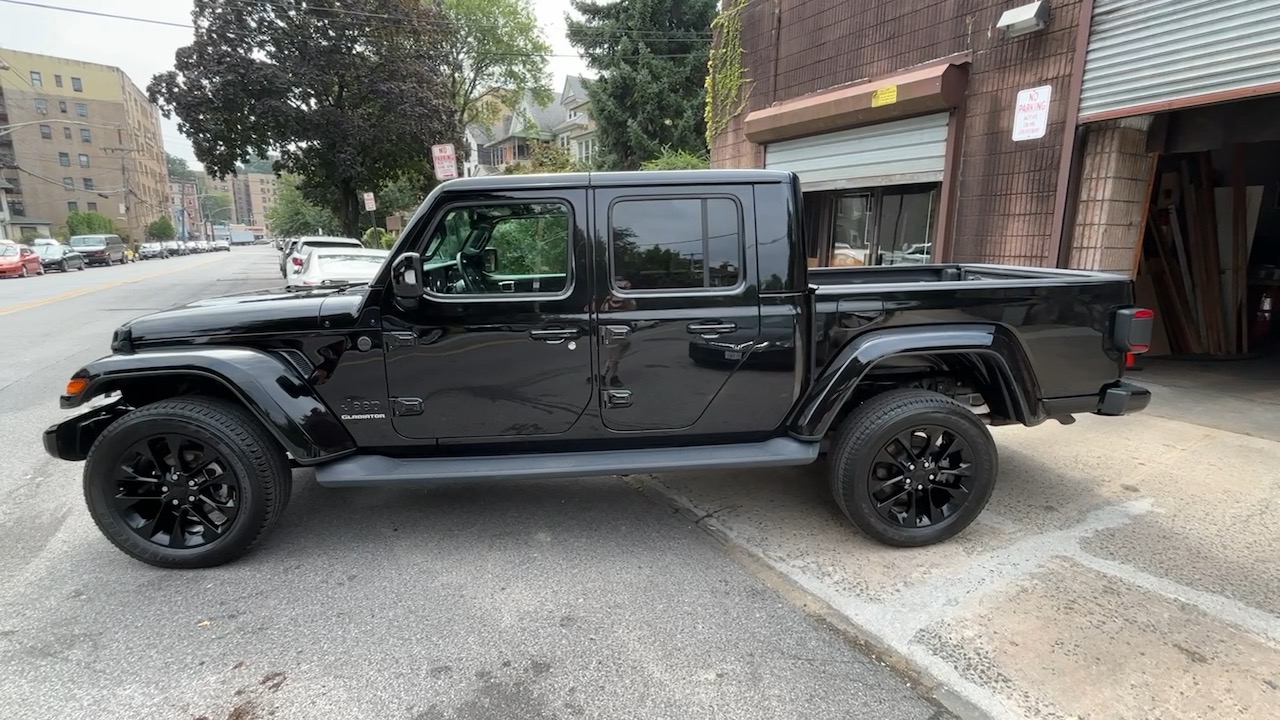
(711,328)
(555,336)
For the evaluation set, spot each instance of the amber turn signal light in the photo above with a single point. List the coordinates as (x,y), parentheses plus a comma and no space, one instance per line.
(75,386)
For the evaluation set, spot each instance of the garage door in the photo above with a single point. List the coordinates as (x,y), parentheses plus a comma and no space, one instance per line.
(900,152)
(1152,55)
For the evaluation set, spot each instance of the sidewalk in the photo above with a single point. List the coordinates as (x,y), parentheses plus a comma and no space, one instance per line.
(1124,568)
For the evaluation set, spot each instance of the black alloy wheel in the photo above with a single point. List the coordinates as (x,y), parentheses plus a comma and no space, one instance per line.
(176,491)
(918,477)
(190,482)
(912,467)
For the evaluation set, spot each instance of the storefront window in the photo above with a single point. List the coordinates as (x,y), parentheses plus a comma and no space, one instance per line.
(851,241)
(906,227)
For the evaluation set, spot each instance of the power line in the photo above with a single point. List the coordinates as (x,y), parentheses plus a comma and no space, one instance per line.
(401,25)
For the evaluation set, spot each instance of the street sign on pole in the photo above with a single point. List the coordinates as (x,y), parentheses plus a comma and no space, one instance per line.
(446,161)
(370,204)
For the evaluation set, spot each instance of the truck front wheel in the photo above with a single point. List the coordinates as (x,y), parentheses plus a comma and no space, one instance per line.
(912,467)
(191,482)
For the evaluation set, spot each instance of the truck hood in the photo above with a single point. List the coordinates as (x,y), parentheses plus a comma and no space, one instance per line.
(250,313)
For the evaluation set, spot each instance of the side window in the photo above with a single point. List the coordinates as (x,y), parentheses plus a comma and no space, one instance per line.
(675,244)
(521,248)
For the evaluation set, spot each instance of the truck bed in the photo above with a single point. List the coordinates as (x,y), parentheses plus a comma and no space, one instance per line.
(1057,321)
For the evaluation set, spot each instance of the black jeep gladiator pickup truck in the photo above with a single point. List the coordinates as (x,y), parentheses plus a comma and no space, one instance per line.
(593,324)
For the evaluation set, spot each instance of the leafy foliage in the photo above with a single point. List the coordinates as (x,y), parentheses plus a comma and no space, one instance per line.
(728,87)
(545,157)
(676,160)
(216,206)
(259,164)
(533,245)
(496,45)
(376,237)
(348,100)
(651,56)
(28,235)
(179,170)
(89,223)
(293,215)
(161,229)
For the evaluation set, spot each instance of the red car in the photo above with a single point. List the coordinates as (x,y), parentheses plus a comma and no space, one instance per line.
(19,261)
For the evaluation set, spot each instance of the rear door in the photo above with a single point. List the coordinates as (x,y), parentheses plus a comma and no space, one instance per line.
(677,308)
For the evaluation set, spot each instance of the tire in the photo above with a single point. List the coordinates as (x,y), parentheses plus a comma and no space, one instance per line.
(859,469)
(252,458)
(83,265)
(64,266)
(23,272)
(110,261)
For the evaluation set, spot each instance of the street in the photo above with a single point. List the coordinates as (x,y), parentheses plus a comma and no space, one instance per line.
(495,600)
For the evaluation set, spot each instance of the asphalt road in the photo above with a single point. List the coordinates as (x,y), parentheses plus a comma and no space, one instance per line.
(494,600)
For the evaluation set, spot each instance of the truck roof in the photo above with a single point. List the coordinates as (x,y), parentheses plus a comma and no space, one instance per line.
(618,179)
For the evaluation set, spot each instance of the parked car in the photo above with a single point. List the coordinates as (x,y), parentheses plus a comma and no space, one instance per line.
(296,251)
(220,245)
(100,249)
(19,261)
(464,359)
(37,242)
(59,257)
(172,248)
(153,251)
(338,266)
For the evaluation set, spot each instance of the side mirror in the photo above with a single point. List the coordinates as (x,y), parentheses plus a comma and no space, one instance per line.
(406,280)
(491,260)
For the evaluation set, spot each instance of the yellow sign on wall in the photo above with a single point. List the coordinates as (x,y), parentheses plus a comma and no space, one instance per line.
(887,95)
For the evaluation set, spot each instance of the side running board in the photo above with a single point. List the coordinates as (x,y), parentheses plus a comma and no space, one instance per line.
(368,470)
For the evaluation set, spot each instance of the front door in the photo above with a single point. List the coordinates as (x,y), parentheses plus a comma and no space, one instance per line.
(677,308)
(499,346)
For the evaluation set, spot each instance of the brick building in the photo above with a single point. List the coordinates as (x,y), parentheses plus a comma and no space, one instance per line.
(1133,136)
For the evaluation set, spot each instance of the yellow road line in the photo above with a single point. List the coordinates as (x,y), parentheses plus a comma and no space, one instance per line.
(95,288)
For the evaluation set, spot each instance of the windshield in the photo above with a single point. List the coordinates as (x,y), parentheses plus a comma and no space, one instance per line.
(87,241)
(337,267)
(47,250)
(7,250)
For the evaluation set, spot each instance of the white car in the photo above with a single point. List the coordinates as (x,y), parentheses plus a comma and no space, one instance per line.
(296,251)
(221,245)
(338,266)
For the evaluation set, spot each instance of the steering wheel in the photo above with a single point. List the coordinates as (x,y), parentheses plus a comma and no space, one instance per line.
(467,281)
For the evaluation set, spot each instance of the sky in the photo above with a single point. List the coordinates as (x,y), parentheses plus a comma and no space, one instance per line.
(143,50)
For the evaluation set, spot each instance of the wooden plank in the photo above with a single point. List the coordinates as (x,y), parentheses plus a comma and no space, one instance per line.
(1212,291)
(1177,317)
(1194,252)
(1182,271)
(1146,211)
(1240,253)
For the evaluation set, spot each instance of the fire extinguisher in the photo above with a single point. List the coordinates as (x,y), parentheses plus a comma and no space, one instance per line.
(1261,331)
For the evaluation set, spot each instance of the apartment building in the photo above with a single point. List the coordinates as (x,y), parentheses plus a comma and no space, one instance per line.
(185,210)
(80,136)
(252,195)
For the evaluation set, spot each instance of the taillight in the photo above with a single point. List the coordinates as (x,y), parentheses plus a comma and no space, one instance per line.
(297,261)
(1133,327)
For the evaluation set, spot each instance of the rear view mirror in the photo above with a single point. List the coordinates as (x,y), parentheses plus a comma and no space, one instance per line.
(406,279)
(491,260)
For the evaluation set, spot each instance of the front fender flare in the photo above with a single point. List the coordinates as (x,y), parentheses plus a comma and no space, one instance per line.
(835,384)
(285,404)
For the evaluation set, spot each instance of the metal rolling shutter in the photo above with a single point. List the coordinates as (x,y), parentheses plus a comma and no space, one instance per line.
(1146,52)
(892,153)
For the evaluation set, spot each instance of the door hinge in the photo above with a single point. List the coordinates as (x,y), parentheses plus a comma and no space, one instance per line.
(404,407)
(617,398)
(393,340)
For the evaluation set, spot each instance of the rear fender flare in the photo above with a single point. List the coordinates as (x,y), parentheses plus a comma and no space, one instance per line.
(273,391)
(835,384)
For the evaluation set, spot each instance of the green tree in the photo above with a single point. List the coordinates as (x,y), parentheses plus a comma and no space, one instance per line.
(545,158)
(378,238)
(179,170)
(676,160)
(161,229)
(348,99)
(651,57)
(496,46)
(215,206)
(89,223)
(293,215)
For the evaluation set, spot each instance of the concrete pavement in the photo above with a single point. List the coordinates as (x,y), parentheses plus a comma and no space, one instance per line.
(1125,568)
(493,600)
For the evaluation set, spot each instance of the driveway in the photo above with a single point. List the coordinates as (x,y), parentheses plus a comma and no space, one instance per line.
(1125,568)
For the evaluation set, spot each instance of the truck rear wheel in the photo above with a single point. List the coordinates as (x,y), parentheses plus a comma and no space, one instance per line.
(192,482)
(912,467)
